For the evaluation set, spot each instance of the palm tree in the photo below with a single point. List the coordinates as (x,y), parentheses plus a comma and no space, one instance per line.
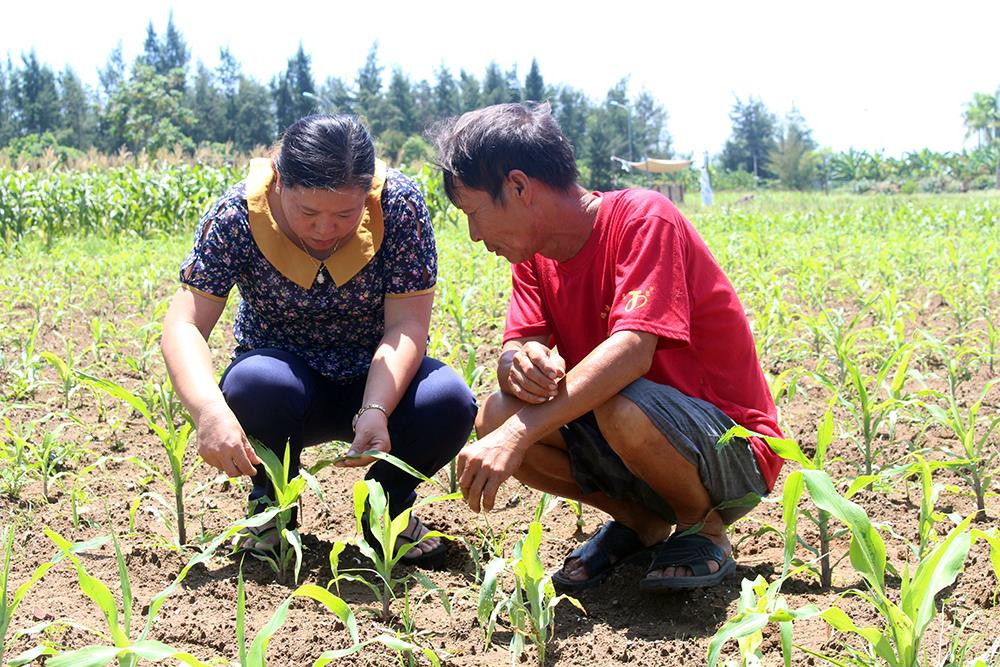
(982,117)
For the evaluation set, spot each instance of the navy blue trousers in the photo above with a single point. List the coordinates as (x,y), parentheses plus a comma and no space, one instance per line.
(278,398)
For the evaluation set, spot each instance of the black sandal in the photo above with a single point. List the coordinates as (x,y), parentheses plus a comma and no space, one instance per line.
(431,559)
(691,551)
(614,544)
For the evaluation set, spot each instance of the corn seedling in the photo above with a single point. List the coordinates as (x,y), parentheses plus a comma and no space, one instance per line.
(377,537)
(288,550)
(117,641)
(973,436)
(10,602)
(256,654)
(531,605)
(173,438)
(866,409)
(760,604)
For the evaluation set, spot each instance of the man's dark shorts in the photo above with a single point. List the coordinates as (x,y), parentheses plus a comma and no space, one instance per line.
(693,426)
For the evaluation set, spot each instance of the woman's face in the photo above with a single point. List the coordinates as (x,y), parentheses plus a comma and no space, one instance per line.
(321,218)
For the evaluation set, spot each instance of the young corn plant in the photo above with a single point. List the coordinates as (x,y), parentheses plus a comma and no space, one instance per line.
(10,601)
(287,492)
(377,536)
(530,607)
(256,654)
(174,438)
(117,643)
(760,604)
(869,412)
(972,434)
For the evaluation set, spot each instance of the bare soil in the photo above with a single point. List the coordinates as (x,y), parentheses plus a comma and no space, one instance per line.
(620,626)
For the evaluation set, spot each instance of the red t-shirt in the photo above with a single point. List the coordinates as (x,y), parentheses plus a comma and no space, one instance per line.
(645,268)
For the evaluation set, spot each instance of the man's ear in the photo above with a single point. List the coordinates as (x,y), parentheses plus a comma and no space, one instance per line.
(519,185)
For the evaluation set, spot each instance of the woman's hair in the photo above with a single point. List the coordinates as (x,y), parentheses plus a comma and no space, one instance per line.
(329,152)
(481,147)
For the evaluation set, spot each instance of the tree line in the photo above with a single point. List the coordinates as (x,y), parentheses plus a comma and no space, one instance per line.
(162,101)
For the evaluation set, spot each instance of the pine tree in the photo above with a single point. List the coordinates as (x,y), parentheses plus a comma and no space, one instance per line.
(752,139)
(512,85)
(227,74)
(112,75)
(77,120)
(571,112)
(649,127)
(368,102)
(793,159)
(599,150)
(534,86)
(36,100)
(446,97)
(6,103)
(470,93)
(401,108)
(254,120)
(209,107)
(494,86)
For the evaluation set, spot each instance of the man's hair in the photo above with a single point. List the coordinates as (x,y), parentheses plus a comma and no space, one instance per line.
(481,147)
(329,152)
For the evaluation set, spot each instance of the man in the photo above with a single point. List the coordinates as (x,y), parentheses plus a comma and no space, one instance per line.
(626,356)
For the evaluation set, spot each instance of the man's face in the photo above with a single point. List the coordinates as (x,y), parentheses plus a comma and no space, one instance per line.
(503,228)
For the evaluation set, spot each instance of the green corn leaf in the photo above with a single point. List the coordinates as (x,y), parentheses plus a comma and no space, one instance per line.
(241,616)
(790,514)
(740,626)
(117,391)
(783,447)
(936,571)
(867,548)
(293,538)
(333,603)
(126,585)
(93,588)
(257,655)
(89,656)
(150,649)
(824,436)
(487,590)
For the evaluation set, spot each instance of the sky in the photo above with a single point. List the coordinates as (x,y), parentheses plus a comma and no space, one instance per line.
(874,75)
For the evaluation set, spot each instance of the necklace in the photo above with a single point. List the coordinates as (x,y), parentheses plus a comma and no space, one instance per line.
(320,278)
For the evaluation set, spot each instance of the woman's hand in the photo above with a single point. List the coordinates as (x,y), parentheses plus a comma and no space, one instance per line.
(371,432)
(534,373)
(222,443)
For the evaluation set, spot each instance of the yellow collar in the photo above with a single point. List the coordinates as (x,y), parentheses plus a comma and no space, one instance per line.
(292,261)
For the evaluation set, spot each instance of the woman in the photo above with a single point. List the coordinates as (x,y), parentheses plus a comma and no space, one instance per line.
(335,262)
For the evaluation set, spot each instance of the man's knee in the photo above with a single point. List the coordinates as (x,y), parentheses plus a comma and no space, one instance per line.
(626,428)
(494,411)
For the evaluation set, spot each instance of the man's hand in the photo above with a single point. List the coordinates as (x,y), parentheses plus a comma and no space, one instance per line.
(534,373)
(222,443)
(372,433)
(485,464)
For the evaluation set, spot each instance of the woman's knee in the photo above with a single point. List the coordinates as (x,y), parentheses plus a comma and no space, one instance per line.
(443,400)
(265,385)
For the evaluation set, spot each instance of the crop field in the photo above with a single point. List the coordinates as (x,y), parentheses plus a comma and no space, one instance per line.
(877,321)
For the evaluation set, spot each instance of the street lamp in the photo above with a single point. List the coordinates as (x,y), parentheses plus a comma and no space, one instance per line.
(628,125)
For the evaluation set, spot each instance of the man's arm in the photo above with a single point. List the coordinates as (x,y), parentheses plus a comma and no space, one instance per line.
(612,365)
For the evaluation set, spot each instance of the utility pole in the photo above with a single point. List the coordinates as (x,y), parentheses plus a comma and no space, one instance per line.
(628,125)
